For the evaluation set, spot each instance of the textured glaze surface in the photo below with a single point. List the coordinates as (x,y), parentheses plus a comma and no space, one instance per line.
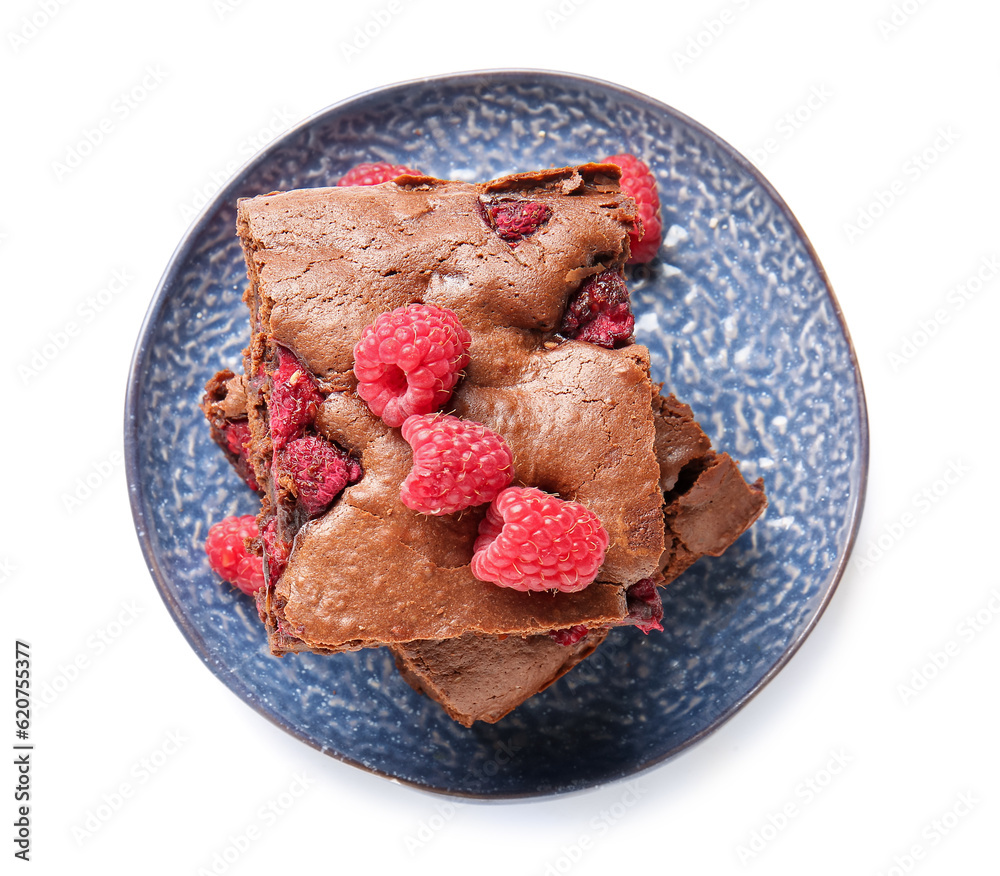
(742,326)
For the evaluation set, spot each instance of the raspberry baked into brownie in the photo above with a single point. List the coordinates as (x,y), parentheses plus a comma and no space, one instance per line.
(540,356)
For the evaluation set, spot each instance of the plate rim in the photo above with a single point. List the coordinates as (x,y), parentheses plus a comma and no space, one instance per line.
(138,500)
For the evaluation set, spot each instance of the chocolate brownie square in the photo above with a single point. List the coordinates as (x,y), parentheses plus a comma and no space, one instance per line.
(322,265)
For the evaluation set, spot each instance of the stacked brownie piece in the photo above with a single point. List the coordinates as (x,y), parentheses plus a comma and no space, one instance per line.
(347,564)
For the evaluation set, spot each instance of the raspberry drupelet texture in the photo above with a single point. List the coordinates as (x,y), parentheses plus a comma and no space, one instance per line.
(639,184)
(456,464)
(373,173)
(228,556)
(531,540)
(409,360)
(293,401)
(513,220)
(318,470)
(600,311)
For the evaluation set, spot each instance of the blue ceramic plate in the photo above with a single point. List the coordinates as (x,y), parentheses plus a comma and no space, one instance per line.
(742,325)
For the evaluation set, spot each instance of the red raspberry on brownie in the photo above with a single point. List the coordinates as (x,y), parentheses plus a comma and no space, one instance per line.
(513,219)
(531,540)
(293,401)
(373,173)
(409,360)
(456,464)
(639,184)
(228,555)
(318,470)
(600,311)
(236,434)
(276,551)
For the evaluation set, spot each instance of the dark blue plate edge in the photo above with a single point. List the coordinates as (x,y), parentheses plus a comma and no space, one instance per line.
(137,500)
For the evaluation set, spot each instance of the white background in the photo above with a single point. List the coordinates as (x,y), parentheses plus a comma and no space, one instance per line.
(908,779)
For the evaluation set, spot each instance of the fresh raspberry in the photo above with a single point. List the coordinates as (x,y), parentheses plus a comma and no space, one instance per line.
(639,184)
(569,636)
(318,469)
(514,220)
(530,540)
(276,550)
(409,360)
(599,311)
(294,399)
(456,464)
(236,434)
(371,174)
(645,608)
(228,556)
